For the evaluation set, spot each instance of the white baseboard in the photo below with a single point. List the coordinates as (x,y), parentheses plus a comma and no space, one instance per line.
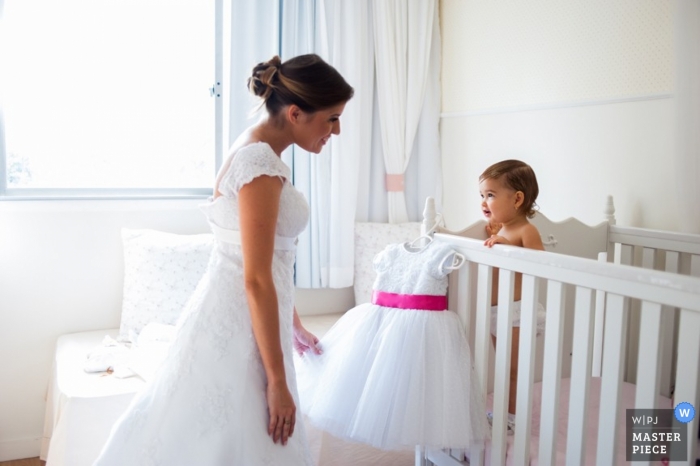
(19,448)
(320,301)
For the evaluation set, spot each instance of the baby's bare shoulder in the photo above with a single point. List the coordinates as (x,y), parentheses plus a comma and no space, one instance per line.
(530,236)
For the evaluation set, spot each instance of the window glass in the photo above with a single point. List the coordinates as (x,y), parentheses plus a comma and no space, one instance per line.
(108,93)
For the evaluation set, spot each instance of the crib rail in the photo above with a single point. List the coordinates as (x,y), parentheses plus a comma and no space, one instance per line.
(657,291)
(659,250)
(655,239)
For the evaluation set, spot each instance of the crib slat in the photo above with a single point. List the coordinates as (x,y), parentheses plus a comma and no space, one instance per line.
(482,337)
(668,317)
(611,384)
(526,369)
(553,337)
(695,265)
(633,324)
(648,258)
(470,285)
(599,326)
(623,254)
(651,333)
(688,371)
(580,377)
(458,294)
(479,284)
(470,310)
(672,261)
(501,383)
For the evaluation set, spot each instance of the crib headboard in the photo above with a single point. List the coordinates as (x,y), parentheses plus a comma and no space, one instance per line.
(571,236)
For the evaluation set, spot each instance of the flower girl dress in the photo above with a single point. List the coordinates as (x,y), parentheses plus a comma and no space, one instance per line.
(397,373)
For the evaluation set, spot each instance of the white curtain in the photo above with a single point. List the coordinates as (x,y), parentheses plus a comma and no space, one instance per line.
(299,31)
(349,50)
(403,43)
(338,31)
(687,101)
(423,176)
(249,38)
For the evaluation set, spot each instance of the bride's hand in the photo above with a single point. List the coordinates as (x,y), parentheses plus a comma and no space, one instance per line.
(305,341)
(282,412)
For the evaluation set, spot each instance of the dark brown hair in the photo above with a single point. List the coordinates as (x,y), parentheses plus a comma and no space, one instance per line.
(518,176)
(305,81)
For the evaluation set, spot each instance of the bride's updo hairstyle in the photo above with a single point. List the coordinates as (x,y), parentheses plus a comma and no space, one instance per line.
(305,81)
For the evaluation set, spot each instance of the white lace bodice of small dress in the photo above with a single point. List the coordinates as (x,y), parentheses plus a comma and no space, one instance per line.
(207,404)
(420,271)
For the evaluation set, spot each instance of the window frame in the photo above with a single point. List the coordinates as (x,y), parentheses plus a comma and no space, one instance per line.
(43,194)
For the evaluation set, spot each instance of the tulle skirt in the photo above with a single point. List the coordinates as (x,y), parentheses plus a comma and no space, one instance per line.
(394,379)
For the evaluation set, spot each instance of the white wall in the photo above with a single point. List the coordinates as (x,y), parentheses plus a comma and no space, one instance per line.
(580,155)
(61,268)
(61,272)
(580,90)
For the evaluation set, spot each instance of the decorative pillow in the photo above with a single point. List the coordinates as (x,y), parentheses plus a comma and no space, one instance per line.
(370,239)
(161,271)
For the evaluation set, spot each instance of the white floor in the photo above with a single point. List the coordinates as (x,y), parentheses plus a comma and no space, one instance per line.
(330,451)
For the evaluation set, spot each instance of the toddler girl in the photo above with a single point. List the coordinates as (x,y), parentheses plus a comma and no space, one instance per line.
(508,192)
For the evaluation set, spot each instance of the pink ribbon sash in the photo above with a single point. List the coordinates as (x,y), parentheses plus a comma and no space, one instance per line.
(421,302)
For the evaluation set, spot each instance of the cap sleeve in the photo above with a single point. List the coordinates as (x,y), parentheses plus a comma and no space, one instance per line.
(384,258)
(249,163)
(442,256)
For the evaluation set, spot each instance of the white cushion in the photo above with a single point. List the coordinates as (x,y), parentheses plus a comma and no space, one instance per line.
(370,239)
(161,270)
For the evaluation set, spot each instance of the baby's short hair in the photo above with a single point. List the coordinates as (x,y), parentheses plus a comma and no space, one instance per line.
(519,176)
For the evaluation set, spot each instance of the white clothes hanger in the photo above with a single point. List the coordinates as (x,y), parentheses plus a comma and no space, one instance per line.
(419,243)
(458,261)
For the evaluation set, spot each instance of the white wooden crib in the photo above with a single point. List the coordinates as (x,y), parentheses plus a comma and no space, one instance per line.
(597,313)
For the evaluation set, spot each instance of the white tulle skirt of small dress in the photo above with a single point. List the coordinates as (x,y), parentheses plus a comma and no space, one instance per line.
(394,379)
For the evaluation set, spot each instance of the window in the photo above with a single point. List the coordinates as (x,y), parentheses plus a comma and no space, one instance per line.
(107,97)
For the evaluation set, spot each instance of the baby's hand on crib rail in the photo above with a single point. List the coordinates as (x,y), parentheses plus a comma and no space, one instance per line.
(494,239)
(493,228)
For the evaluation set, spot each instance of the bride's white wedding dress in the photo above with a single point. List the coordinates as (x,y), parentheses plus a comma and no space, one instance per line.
(206,404)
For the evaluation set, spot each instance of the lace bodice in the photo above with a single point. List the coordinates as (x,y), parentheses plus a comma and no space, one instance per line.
(248,163)
(403,270)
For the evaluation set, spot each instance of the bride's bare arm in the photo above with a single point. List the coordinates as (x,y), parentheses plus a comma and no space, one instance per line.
(258,206)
